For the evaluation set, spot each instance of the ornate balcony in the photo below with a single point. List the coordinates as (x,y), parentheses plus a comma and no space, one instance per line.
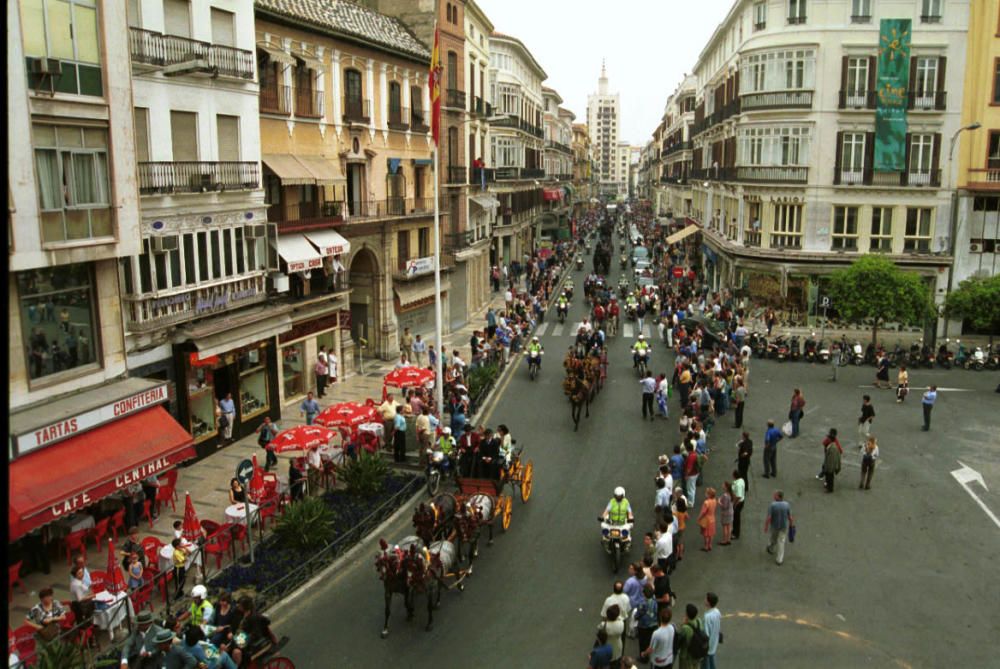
(357,110)
(776,100)
(275,98)
(182,55)
(164,178)
(868,177)
(785,174)
(454,98)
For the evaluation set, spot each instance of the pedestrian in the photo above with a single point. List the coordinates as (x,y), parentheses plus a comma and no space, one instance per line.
(771,438)
(779,520)
(661,507)
(795,411)
(227,414)
(865,421)
(830,438)
(661,643)
(744,452)
(726,513)
(706,519)
(929,398)
(687,655)
(267,431)
(295,482)
(321,371)
(713,628)
(740,398)
(691,473)
(882,375)
(836,353)
(419,350)
(314,469)
(646,619)
(614,626)
(179,559)
(664,546)
(902,384)
(309,408)
(432,358)
(399,438)
(406,344)
(679,507)
(738,492)
(387,411)
(869,458)
(662,395)
(648,384)
(600,656)
(831,459)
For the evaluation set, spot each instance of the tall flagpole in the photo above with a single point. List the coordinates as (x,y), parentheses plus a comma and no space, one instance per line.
(438,377)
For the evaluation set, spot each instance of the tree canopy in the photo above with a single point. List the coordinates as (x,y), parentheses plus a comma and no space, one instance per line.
(874,287)
(976,300)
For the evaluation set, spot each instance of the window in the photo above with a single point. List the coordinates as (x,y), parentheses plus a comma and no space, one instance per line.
(787,231)
(924,85)
(993,150)
(177,18)
(424,242)
(852,158)
(416,105)
(930,11)
(881,232)
(921,159)
(996,81)
(760,16)
(58,319)
(184,135)
(796,11)
(395,103)
(773,145)
(778,70)
(506,152)
(857,82)
(354,106)
(918,230)
(65,30)
(861,11)
(73,186)
(452,70)
(845,228)
(141,134)
(222,27)
(229,137)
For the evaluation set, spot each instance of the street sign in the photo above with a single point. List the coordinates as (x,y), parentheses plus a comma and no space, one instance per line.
(244,471)
(824,302)
(678,272)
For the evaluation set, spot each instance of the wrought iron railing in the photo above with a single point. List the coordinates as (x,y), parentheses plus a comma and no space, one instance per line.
(197,176)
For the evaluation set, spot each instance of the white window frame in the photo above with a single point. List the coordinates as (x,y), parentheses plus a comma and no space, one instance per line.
(919,240)
(852,157)
(921,159)
(844,231)
(796,11)
(786,232)
(857,81)
(861,10)
(760,16)
(924,87)
(930,10)
(880,239)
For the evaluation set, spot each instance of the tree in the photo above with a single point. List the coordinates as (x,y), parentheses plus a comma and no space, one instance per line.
(874,287)
(976,300)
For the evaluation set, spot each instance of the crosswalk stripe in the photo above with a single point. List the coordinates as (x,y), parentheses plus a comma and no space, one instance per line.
(557,330)
(646,330)
(541,329)
(627,330)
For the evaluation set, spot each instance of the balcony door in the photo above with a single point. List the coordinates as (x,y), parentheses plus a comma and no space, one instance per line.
(356,189)
(184,136)
(223,31)
(177,18)
(352,94)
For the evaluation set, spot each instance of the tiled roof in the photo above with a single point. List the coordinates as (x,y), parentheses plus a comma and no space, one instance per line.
(350,19)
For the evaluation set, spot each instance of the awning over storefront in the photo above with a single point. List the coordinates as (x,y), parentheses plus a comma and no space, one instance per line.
(58,480)
(682,234)
(289,170)
(329,242)
(311,61)
(423,161)
(410,293)
(487,202)
(300,255)
(552,194)
(276,54)
(243,335)
(321,169)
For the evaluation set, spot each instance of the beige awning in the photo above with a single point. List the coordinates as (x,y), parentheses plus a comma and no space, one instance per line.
(329,242)
(311,61)
(412,292)
(298,253)
(291,171)
(487,202)
(322,169)
(276,54)
(682,234)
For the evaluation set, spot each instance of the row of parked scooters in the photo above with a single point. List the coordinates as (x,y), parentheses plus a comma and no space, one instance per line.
(784,348)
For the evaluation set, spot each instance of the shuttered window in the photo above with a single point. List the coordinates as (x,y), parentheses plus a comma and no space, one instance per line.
(177,17)
(184,135)
(141,134)
(222,27)
(229,137)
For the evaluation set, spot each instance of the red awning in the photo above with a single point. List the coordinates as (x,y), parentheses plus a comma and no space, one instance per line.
(552,194)
(53,482)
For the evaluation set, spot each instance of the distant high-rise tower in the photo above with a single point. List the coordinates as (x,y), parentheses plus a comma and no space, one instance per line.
(603,123)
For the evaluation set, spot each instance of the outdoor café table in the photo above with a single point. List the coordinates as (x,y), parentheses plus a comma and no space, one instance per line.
(236,514)
(166,561)
(74,523)
(117,611)
(334,453)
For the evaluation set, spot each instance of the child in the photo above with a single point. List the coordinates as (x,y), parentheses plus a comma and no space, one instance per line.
(134,571)
(178,529)
(180,562)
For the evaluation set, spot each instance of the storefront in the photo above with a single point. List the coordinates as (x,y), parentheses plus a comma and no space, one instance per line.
(299,348)
(414,304)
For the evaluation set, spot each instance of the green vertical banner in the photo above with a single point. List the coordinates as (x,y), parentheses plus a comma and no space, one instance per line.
(892,84)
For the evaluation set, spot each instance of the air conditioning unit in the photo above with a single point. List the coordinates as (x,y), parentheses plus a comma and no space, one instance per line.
(46,66)
(163,244)
(256,231)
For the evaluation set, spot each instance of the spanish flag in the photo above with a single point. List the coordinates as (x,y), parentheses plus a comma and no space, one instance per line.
(435,84)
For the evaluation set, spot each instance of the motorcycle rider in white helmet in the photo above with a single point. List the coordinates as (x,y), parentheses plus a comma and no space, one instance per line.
(618,511)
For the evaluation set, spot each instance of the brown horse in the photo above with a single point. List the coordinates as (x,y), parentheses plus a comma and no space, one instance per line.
(410,569)
(580,392)
(435,519)
(474,514)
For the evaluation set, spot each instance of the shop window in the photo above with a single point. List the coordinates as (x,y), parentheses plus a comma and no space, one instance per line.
(201,399)
(917,237)
(58,319)
(845,228)
(252,366)
(63,31)
(73,188)
(294,370)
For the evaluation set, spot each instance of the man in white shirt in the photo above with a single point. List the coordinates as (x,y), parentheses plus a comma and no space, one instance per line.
(331,366)
(618,597)
(661,645)
(315,470)
(664,546)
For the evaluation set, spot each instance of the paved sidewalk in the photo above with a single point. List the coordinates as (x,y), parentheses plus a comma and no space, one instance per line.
(208,479)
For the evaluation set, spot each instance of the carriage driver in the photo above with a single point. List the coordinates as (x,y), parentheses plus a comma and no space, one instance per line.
(618,510)
(639,350)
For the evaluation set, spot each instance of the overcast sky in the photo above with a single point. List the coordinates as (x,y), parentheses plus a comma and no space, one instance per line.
(649,46)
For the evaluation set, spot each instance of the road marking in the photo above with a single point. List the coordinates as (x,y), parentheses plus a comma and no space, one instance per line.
(558,330)
(967,475)
(627,330)
(540,331)
(647,330)
(940,389)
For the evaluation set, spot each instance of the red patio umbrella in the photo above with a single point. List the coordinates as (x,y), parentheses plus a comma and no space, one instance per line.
(301,438)
(191,528)
(409,377)
(256,488)
(347,414)
(115,581)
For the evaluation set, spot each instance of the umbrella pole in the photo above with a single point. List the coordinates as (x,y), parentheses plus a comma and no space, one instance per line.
(246,511)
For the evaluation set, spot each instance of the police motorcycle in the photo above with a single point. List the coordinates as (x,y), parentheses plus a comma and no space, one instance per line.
(616,537)
(535,353)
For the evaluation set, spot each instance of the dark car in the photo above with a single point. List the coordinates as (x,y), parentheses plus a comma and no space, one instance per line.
(714,330)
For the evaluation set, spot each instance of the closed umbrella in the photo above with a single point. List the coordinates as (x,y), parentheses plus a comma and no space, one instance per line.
(115,582)
(256,487)
(191,529)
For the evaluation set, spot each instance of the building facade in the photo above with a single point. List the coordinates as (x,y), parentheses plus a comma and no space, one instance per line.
(778,91)
(604,126)
(583,174)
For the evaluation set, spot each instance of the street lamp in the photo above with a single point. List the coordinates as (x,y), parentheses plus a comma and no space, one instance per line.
(953,228)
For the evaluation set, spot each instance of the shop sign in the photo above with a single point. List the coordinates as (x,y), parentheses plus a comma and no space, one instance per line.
(419,266)
(74,425)
(85,498)
(213,301)
(305,265)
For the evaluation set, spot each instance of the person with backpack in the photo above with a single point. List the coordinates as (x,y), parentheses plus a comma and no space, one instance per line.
(691,642)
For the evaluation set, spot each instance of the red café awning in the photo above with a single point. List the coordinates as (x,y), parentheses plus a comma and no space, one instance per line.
(53,482)
(552,194)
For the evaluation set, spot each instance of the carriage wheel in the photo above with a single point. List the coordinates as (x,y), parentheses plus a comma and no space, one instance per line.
(526,481)
(506,506)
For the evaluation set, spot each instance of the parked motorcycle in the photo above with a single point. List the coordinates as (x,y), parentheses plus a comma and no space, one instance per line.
(945,358)
(857,354)
(809,348)
(822,352)
(782,349)
(617,541)
(962,355)
(794,350)
(976,359)
(534,363)
(869,358)
(993,357)
(927,357)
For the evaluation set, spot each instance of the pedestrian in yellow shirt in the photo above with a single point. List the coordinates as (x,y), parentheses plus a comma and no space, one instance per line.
(180,566)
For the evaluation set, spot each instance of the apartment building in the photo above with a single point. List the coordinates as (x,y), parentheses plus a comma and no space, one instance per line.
(73,213)
(557,158)
(516,145)
(675,147)
(976,224)
(583,174)
(791,174)
(604,125)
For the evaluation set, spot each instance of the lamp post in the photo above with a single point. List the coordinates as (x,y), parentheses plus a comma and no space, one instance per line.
(953,228)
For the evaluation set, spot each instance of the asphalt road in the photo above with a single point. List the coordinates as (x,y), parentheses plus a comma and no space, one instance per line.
(903,575)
